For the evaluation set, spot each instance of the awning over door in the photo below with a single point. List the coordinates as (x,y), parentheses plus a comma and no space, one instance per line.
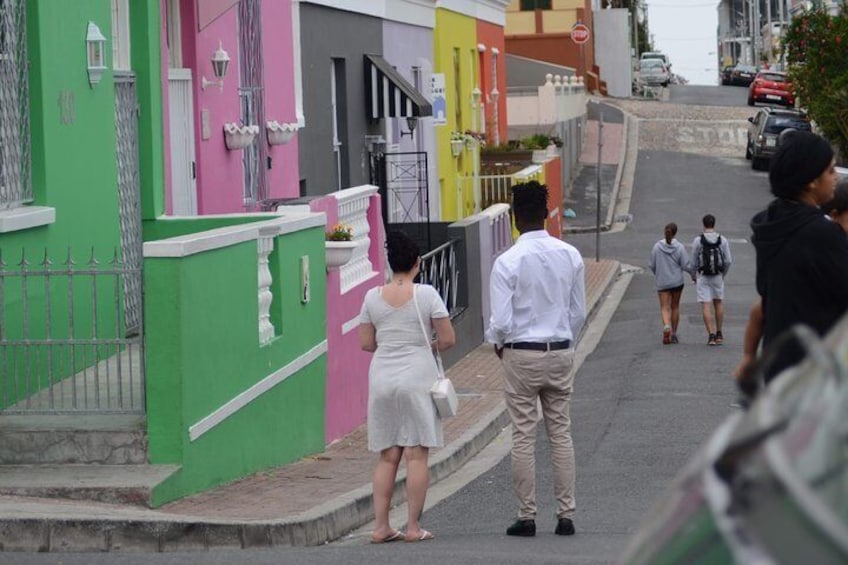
(388,94)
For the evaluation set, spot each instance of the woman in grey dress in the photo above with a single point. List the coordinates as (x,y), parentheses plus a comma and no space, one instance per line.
(402,419)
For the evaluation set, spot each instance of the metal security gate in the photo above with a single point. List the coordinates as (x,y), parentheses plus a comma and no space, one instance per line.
(63,347)
(129,196)
(404,191)
(251,93)
(15,185)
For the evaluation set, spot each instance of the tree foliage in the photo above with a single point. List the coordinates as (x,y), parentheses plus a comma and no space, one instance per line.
(816,48)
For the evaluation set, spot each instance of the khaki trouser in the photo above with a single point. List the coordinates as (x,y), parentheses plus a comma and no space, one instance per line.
(547,377)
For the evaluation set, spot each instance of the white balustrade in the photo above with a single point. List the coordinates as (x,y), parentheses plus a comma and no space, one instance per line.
(265,244)
(353,204)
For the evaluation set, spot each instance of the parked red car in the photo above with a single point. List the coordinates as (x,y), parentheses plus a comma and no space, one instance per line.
(771,87)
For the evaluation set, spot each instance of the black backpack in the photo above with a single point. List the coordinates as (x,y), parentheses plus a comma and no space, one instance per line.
(712,261)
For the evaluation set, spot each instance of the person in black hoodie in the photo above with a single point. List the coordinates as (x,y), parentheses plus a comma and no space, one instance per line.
(802,257)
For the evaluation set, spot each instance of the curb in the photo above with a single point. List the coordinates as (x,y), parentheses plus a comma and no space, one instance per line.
(607,225)
(87,530)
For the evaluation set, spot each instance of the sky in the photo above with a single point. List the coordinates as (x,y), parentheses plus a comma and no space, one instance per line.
(685,30)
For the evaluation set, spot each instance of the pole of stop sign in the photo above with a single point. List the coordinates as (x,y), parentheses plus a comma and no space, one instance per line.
(580,35)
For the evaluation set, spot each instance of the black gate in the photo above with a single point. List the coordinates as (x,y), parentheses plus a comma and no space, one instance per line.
(404,190)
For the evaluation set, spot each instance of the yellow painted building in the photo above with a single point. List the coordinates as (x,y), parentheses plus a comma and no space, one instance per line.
(561,16)
(456,57)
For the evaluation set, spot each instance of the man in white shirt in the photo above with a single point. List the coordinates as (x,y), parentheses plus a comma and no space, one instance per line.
(538,308)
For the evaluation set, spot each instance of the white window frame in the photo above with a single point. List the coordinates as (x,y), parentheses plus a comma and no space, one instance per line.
(121,35)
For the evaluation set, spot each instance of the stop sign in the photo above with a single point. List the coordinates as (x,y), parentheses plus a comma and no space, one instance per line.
(579,33)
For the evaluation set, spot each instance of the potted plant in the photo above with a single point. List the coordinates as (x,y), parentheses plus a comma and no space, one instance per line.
(457,141)
(339,246)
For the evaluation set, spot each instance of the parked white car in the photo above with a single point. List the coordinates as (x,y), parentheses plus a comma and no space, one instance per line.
(654,72)
(656,55)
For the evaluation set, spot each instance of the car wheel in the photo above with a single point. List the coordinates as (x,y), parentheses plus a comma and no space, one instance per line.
(748,151)
(750,101)
(757,163)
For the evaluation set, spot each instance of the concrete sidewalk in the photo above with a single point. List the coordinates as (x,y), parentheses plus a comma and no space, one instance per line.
(317,499)
(582,196)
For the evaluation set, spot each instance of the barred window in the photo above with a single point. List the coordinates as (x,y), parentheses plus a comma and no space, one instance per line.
(15,185)
(529,5)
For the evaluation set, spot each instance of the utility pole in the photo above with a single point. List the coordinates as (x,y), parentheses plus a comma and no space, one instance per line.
(782,32)
(770,32)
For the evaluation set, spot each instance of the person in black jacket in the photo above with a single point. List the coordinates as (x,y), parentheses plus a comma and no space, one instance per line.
(802,257)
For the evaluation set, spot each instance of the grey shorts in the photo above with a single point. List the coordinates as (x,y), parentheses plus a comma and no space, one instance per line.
(710,288)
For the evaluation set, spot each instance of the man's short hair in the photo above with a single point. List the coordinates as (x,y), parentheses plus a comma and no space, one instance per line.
(530,202)
(709,221)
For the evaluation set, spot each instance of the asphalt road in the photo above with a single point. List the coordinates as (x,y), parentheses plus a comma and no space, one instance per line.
(640,409)
(708,95)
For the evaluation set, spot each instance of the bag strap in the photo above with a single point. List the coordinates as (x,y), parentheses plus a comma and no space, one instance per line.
(440,371)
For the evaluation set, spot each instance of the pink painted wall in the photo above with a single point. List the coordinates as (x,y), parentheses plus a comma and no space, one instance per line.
(283,178)
(347,364)
(220,183)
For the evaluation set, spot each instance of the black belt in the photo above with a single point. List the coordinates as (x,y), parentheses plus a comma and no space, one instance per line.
(535,346)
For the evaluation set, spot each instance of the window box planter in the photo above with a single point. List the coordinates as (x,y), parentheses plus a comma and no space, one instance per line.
(279,134)
(239,137)
(339,253)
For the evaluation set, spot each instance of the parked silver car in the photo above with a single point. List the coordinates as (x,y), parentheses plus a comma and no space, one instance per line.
(654,72)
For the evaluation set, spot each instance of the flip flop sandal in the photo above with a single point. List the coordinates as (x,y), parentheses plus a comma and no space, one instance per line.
(424,536)
(396,535)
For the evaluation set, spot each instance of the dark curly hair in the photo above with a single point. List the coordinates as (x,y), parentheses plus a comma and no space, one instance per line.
(403,252)
(530,202)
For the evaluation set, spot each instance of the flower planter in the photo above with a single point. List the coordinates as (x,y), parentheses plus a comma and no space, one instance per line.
(239,137)
(279,134)
(457,146)
(339,253)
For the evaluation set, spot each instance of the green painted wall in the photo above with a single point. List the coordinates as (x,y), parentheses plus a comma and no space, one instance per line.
(74,170)
(146,54)
(73,131)
(203,349)
(164,228)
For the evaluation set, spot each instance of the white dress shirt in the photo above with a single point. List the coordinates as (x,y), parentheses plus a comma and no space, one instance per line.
(538,292)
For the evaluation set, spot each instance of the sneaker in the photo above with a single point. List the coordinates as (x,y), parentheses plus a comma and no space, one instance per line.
(523,528)
(741,403)
(712,340)
(674,338)
(666,335)
(719,338)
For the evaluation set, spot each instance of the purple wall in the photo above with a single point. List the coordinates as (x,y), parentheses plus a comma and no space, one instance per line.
(406,46)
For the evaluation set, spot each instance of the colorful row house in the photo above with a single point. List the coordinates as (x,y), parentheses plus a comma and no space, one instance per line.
(168,169)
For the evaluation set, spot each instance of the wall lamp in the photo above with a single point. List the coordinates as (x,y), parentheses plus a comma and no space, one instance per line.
(411,123)
(95,46)
(220,63)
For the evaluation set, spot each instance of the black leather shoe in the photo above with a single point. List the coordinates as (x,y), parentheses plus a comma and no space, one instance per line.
(565,527)
(525,528)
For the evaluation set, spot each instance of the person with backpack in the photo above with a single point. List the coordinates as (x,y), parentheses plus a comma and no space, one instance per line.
(711,261)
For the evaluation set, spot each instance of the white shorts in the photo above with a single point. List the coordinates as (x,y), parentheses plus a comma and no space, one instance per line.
(710,288)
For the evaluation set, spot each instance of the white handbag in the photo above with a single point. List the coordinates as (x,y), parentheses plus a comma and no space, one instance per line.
(442,391)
